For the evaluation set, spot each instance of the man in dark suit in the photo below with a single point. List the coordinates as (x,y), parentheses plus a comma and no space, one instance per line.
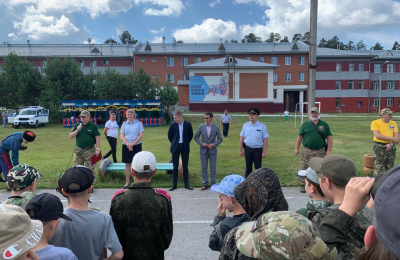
(208,148)
(180,134)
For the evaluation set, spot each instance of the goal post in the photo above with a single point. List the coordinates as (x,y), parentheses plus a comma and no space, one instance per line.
(300,109)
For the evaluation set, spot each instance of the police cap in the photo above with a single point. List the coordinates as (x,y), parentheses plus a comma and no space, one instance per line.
(253,110)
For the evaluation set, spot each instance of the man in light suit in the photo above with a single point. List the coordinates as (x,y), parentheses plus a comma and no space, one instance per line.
(208,148)
(180,134)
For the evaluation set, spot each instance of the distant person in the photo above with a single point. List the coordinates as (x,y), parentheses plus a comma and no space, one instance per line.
(142,215)
(225,120)
(111,134)
(208,148)
(386,136)
(13,143)
(48,208)
(5,118)
(131,135)
(22,181)
(90,231)
(286,113)
(227,202)
(19,234)
(312,135)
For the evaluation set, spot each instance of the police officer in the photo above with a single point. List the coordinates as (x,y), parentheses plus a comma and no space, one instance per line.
(254,140)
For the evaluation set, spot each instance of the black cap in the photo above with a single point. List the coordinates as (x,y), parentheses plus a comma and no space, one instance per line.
(29,136)
(79,175)
(253,110)
(46,207)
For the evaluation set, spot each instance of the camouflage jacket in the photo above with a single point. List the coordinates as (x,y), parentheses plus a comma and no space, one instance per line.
(313,205)
(22,200)
(339,230)
(142,218)
(229,250)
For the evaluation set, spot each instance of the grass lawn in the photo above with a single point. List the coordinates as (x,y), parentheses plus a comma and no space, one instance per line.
(52,151)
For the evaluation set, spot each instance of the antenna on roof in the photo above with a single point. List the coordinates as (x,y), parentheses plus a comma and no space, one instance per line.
(89,40)
(28,41)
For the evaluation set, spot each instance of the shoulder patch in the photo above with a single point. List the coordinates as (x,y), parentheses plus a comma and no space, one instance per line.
(117,193)
(163,193)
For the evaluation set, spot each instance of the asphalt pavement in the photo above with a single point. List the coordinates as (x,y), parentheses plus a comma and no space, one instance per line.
(193,213)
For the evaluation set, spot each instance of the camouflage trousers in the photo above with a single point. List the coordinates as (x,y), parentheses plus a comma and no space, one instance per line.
(82,156)
(383,160)
(306,155)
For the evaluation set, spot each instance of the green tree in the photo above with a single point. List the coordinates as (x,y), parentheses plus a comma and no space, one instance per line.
(361,45)
(168,95)
(273,37)
(234,41)
(297,37)
(110,40)
(378,46)
(112,85)
(126,37)
(143,87)
(396,45)
(306,38)
(285,39)
(179,41)
(251,37)
(322,43)
(335,43)
(350,46)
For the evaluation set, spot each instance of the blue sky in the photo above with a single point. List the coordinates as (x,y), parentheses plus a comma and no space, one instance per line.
(74,21)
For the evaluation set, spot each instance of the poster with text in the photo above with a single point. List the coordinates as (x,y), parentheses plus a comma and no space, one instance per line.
(208,88)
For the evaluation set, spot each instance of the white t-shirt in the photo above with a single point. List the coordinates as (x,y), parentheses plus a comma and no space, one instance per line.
(112,128)
(286,113)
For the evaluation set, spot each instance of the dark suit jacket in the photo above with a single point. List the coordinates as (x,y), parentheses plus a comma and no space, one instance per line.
(173,136)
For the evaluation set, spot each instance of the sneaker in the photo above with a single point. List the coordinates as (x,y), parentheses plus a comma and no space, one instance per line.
(302,189)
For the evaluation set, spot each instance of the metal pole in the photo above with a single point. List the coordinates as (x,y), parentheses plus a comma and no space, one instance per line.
(380,89)
(312,53)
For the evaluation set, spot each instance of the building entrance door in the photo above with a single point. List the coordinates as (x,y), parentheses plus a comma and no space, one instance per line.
(291,99)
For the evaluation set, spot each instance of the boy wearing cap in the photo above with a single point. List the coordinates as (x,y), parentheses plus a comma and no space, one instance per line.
(90,231)
(222,224)
(142,215)
(313,190)
(334,172)
(19,234)
(13,143)
(21,180)
(49,210)
(386,136)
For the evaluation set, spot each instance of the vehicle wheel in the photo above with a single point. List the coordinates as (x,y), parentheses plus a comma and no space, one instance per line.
(36,125)
(42,124)
(12,126)
(16,126)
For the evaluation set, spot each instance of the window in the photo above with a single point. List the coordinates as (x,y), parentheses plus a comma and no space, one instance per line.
(301,76)
(376,85)
(197,60)
(93,63)
(288,77)
(184,62)
(375,102)
(338,66)
(247,58)
(361,66)
(351,84)
(301,60)
(183,77)
(351,66)
(105,62)
(338,84)
(288,60)
(260,59)
(389,102)
(211,58)
(170,62)
(154,76)
(142,59)
(377,68)
(43,63)
(81,63)
(337,102)
(390,68)
(275,77)
(275,93)
(360,84)
(389,85)
(153,59)
(274,60)
(171,78)
(359,104)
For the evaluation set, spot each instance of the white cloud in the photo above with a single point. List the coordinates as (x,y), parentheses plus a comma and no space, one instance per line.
(250,13)
(212,4)
(161,31)
(171,7)
(156,39)
(210,30)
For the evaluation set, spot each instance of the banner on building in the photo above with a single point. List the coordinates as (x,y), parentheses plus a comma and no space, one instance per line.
(208,88)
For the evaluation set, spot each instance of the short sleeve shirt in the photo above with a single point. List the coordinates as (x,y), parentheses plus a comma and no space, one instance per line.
(87,135)
(387,129)
(286,113)
(112,128)
(311,138)
(226,118)
(254,135)
(132,130)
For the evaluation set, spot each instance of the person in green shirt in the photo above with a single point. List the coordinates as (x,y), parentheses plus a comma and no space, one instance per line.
(312,135)
(87,141)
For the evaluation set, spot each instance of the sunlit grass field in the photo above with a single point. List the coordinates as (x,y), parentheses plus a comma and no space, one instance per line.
(52,151)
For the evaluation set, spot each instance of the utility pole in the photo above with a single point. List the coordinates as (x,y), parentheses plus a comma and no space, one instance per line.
(312,53)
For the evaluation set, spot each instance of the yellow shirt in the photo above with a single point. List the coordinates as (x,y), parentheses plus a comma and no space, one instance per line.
(387,129)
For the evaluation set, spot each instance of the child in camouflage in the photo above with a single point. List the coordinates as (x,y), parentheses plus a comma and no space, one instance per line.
(313,190)
(21,179)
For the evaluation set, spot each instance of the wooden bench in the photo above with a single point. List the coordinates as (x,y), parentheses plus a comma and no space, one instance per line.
(114,167)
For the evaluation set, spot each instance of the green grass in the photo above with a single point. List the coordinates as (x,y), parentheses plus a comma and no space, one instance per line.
(52,151)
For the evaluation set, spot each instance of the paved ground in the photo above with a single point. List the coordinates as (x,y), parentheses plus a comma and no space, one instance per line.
(193,213)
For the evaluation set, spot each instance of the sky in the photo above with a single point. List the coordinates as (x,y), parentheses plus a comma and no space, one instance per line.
(74,21)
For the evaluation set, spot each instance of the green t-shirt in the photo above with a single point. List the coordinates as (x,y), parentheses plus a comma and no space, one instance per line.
(311,138)
(87,135)
(22,200)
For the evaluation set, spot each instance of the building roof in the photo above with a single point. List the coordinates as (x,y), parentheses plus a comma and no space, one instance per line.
(376,54)
(240,63)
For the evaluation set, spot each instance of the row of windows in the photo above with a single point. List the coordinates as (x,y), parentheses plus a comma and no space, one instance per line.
(377,67)
(288,77)
(389,85)
(375,102)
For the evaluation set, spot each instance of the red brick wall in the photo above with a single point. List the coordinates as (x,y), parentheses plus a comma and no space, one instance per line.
(253,85)
(264,107)
(208,74)
(183,91)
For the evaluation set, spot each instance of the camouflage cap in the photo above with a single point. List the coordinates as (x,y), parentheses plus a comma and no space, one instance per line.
(22,176)
(386,111)
(314,109)
(282,235)
(85,113)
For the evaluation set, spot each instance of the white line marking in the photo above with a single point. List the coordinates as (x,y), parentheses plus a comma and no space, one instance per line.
(194,222)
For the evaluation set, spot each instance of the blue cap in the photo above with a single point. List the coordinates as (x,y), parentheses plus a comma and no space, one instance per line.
(310,174)
(227,185)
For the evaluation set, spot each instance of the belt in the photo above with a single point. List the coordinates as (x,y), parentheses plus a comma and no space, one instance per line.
(313,148)
(381,143)
(180,144)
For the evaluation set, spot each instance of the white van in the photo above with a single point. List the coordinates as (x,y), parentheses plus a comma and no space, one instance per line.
(31,116)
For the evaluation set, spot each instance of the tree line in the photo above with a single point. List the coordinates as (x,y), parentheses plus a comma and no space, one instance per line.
(22,84)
